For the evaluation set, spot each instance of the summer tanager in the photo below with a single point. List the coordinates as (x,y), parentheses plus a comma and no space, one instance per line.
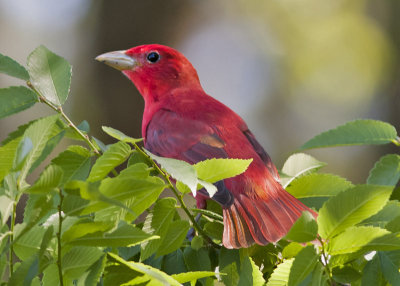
(181,121)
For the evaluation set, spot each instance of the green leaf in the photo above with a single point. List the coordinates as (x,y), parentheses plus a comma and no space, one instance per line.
(179,170)
(372,274)
(250,274)
(390,269)
(15,99)
(192,276)
(157,223)
(137,171)
(345,274)
(84,227)
(214,229)
(291,250)
(74,162)
(304,229)
(40,132)
(115,155)
(358,132)
(29,243)
(197,260)
(386,171)
(137,194)
(384,216)
(6,208)
(303,264)
(12,68)
(363,238)
(96,271)
(50,276)
(24,147)
(174,263)
(125,235)
(280,276)
(119,135)
(49,179)
(214,170)
(298,165)
(78,259)
(7,155)
(173,239)
(318,276)
(314,189)
(351,207)
(147,272)
(38,208)
(25,272)
(50,75)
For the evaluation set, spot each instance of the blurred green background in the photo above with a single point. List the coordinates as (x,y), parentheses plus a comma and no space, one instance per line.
(290,68)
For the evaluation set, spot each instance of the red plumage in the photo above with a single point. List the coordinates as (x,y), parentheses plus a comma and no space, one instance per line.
(181,121)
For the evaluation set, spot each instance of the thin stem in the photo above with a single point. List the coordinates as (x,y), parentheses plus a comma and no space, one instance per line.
(59,249)
(59,110)
(13,216)
(179,197)
(397,141)
(326,264)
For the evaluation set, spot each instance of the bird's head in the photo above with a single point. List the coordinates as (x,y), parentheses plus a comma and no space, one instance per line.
(154,69)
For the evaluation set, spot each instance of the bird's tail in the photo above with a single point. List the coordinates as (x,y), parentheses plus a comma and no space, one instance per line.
(260,221)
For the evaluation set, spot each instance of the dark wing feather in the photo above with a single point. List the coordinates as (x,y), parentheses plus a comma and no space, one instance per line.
(261,152)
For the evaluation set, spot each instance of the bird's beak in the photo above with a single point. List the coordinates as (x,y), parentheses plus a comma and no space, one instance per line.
(118,60)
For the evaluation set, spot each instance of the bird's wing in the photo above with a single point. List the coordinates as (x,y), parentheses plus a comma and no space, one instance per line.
(261,152)
(169,135)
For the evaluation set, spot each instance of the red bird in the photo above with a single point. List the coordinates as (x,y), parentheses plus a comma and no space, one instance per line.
(181,121)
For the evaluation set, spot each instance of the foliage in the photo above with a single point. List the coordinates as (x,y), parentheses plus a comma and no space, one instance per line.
(85,223)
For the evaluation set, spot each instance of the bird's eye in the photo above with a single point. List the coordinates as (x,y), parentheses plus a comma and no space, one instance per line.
(153,57)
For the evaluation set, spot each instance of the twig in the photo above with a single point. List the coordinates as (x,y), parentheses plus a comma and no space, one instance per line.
(14,212)
(59,248)
(179,197)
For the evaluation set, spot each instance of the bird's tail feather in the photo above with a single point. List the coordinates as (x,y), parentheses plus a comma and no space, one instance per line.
(260,221)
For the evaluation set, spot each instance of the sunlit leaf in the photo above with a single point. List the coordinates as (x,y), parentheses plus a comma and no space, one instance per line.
(192,276)
(84,227)
(297,165)
(147,272)
(390,211)
(365,238)
(214,170)
(119,135)
(15,99)
(351,207)
(12,68)
(50,75)
(280,276)
(314,189)
(358,132)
